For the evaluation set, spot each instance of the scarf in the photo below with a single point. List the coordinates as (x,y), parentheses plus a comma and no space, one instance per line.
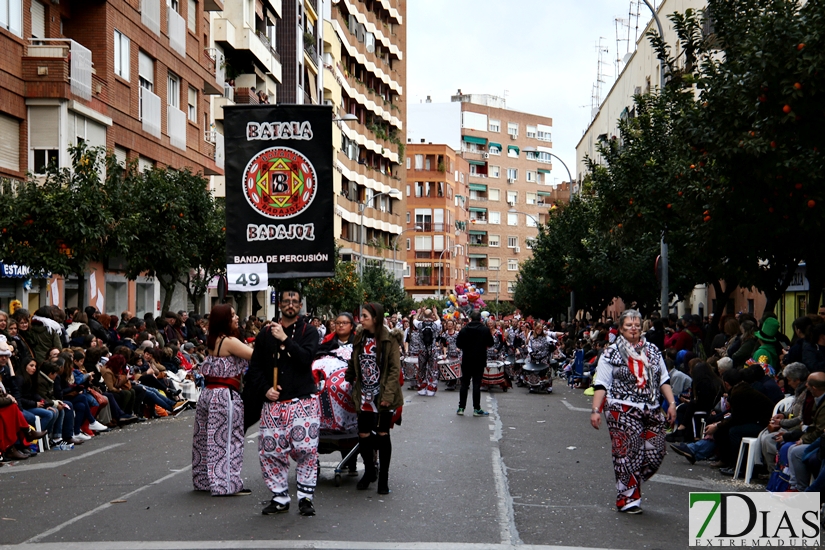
(637,360)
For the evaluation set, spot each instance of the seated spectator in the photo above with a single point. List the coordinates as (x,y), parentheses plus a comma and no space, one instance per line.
(117,382)
(785,424)
(810,440)
(63,429)
(755,375)
(813,350)
(29,401)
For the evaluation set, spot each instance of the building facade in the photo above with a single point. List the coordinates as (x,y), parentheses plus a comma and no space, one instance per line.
(510,180)
(364,78)
(437,220)
(135,76)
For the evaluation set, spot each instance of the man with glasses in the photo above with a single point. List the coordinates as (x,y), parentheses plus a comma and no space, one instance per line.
(291,415)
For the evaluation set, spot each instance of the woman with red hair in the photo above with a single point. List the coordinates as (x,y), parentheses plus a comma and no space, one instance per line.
(217,444)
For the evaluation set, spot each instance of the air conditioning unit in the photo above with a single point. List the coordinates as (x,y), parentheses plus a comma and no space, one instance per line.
(485,155)
(513,136)
(511,203)
(517,249)
(511,180)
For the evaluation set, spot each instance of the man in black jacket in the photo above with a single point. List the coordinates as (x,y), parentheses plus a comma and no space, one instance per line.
(473,341)
(94,325)
(291,415)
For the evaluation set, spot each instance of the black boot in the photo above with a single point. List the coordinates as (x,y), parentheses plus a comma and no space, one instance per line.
(384,457)
(365,448)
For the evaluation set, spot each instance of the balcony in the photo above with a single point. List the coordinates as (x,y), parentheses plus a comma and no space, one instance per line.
(220,156)
(429,227)
(228,98)
(432,255)
(215,64)
(54,62)
(213,5)
(150,15)
(176,27)
(176,127)
(150,112)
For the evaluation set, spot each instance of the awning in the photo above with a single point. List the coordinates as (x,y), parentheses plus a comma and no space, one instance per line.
(543,171)
(513,148)
(424,264)
(478,279)
(476,140)
(478,256)
(496,145)
(545,194)
(474,232)
(530,149)
(478,187)
(477,162)
(474,209)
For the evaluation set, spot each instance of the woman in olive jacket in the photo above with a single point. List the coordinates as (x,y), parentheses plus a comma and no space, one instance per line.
(374,371)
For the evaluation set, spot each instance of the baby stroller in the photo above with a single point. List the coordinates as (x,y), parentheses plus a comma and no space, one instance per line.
(339,423)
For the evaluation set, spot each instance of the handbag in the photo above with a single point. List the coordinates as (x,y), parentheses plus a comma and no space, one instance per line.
(101,399)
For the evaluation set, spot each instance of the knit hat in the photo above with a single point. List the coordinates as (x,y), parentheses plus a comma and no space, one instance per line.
(769,330)
(146,344)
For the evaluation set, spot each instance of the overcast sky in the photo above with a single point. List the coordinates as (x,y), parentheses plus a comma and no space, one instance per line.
(542,52)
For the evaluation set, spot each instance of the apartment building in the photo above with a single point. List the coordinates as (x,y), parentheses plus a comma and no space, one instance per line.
(135,76)
(510,179)
(298,46)
(437,219)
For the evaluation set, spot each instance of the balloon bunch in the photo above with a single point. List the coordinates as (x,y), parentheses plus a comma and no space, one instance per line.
(464,300)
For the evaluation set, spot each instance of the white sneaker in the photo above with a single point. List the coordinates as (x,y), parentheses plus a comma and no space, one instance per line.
(98,427)
(430,393)
(82,436)
(422,392)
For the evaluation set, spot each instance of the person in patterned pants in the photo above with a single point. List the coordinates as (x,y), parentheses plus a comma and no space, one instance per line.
(428,323)
(291,414)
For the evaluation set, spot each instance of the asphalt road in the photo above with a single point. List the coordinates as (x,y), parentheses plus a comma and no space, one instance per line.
(534,474)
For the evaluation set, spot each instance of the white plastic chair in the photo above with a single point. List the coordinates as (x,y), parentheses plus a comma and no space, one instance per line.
(43,442)
(753,448)
(784,405)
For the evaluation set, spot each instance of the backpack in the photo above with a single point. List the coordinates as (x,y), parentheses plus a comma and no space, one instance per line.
(427,333)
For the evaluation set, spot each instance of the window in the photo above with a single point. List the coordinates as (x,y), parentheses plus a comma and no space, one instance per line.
(530,176)
(511,286)
(43,158)
(512,174)
(438,243)
(512,265)
(494,263)
(193,104)
(544,132)
(419,162)
(424,243)
(10,147)
(512,152)
(531,221)
(512,218)
(529,243)
(495,218)
(512,197)
(531,131)
(492,287)
(121,55)
(192,16)
(493,150)
(493,240)
(419,189)
(407,269)
(512,241)
(146,71)
(408,214)
(512,129)
(408,163)
(495,171)
(494,194)
(531,198)
(495,126)
(173,90)
(409,243)
(11,16)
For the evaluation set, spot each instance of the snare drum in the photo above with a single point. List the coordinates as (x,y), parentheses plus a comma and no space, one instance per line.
(494,374)
(410,368)
(449,369)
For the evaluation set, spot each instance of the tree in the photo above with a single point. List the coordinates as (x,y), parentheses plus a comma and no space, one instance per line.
(381,286)
(61,224)
(208,253)
(342,292)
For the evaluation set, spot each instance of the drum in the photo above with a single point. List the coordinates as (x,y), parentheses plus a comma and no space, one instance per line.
(410,367)
(449,369)
(535,373)
(494,374)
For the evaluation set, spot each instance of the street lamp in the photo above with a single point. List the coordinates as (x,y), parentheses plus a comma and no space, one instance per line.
(665,296)
(393,194)
(349,117)
(395,245)
(440,267)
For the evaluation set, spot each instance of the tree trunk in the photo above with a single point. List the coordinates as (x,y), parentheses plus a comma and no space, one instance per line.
(774,294)
(169,287)
(721,303)
(81,290)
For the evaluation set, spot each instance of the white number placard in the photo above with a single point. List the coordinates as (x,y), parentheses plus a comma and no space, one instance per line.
(247,277)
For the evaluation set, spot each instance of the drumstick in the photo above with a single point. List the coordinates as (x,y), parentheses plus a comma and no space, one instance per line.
(275,378)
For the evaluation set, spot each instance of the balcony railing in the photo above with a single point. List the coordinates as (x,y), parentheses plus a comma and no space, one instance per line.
(478,268)
(150,15)
(177,31)
(428,227)
(220,156)
(176,127)
(150,112)
(79,57)
(229,92)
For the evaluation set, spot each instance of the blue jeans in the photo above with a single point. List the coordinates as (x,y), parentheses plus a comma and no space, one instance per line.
(45,415)
(64,425)
(703,449)
(156,398)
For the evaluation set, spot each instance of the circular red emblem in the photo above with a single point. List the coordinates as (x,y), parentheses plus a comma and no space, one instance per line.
(280,182)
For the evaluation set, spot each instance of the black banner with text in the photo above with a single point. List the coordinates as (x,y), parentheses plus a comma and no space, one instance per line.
(279,196)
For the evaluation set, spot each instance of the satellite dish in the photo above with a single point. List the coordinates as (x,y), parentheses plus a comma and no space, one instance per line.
(627,57)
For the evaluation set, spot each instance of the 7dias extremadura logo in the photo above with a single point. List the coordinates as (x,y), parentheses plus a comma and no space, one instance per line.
(280,183)
(754,519)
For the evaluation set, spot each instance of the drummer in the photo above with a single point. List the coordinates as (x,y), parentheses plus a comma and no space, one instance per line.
(447,340)
(413,342)
(539,348)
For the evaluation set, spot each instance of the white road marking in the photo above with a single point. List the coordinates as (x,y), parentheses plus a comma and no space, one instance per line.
(701,483)
(506,514)
(53,530)
(56,464)
(278,544)
(556,505)
(572,408)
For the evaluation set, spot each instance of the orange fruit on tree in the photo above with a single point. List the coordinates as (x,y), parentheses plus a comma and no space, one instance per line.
(798,85)
(786,109)
(800,46)
(811,203)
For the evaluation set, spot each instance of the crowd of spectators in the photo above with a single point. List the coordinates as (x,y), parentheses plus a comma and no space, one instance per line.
(77,373)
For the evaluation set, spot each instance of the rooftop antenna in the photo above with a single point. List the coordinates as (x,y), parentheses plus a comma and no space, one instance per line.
(633,20)
(621,23)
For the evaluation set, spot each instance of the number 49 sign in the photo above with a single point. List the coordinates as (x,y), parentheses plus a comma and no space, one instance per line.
(247,277)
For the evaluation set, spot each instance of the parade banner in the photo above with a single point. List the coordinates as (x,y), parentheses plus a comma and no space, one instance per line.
(279,196)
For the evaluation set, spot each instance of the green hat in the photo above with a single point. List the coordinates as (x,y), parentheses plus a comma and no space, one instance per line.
(768,331)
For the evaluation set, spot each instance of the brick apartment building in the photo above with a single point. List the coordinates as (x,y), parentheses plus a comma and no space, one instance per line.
(436,220)
(511,186)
